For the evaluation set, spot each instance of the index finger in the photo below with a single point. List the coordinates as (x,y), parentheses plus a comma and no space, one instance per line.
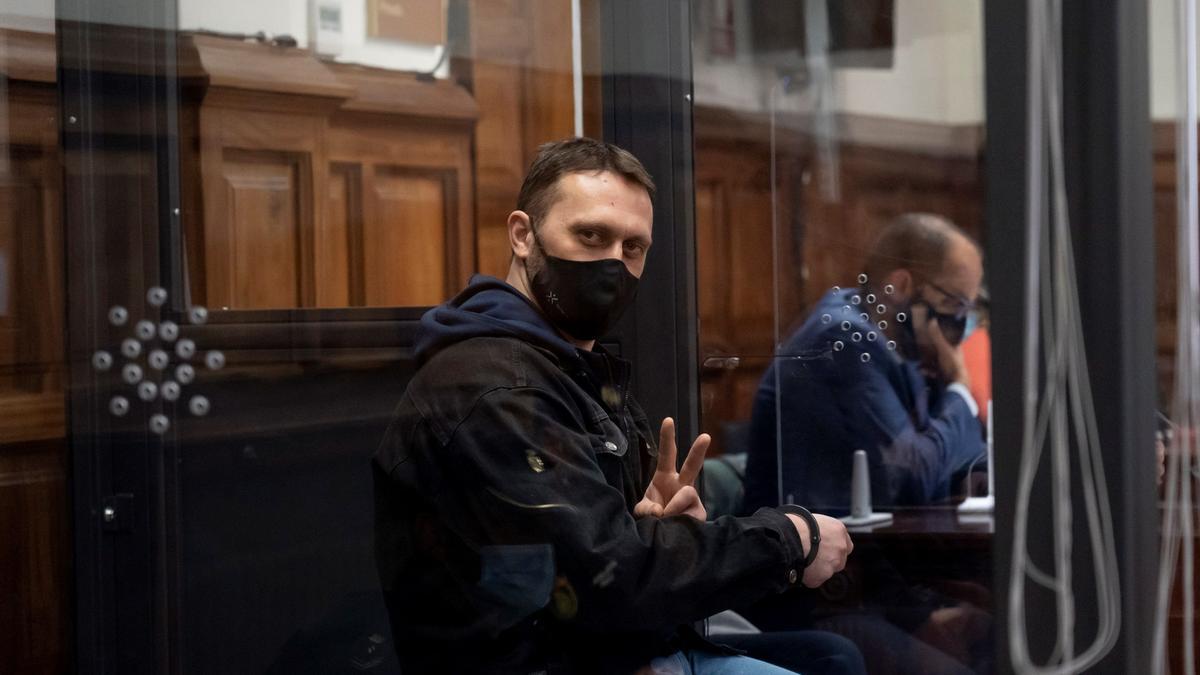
(695,460)
(666,445)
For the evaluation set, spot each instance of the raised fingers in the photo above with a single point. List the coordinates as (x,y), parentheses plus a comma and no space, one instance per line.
(666,445)
(694,460)
(686,502)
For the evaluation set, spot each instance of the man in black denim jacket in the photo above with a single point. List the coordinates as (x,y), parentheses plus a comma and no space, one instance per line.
(526,520)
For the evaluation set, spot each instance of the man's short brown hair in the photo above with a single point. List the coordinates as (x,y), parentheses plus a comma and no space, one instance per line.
(556,159)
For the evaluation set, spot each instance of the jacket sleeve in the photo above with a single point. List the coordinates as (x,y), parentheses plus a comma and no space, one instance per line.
(916,454)
(521,472)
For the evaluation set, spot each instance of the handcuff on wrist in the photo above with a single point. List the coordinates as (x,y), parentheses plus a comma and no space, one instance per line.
(814,531)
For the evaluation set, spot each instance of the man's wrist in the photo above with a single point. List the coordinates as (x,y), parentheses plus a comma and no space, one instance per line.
(814,531)
(961,389)
(801,531)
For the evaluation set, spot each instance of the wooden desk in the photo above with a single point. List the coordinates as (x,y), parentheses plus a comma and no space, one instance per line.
(928,546)
(897,573)
(930,522)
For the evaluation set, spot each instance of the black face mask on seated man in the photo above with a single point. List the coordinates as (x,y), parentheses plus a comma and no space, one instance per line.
(582,298)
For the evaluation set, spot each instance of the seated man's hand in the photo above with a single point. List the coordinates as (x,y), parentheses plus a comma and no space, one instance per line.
(835,546)
(673,492)
(940,360)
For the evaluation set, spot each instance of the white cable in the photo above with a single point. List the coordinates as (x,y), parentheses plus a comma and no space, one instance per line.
(1178,511)
(1063,410)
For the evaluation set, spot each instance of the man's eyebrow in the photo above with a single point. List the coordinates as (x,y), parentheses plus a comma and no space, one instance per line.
(606,227)
(588,224)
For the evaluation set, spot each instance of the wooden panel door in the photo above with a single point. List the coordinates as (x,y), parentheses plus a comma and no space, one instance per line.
(268,228)
(404,238)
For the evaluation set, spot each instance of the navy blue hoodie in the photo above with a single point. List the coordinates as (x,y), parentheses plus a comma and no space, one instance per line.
(488,307)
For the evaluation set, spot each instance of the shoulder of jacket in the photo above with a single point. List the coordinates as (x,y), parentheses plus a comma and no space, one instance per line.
(500,356)
(448,387)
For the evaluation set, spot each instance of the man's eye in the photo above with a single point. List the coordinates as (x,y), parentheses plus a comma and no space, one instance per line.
(590,236)
(634,249)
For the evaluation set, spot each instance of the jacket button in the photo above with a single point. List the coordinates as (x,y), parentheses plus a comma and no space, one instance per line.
(535,462)
(792,576)
(610,446)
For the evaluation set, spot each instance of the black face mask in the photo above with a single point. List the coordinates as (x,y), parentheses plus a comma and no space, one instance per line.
(582,298)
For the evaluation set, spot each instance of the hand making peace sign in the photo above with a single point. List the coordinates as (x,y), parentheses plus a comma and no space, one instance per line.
(670,492)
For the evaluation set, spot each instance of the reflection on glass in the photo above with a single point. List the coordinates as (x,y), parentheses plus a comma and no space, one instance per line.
(34,520)
(345,157)
(1174,442)
(817,128)
(335,155)
(909,409)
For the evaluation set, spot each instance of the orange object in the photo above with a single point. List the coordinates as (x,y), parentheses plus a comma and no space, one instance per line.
(977,359)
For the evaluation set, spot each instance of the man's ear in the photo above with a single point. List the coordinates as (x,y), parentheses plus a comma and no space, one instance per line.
(520,234)
(903,282)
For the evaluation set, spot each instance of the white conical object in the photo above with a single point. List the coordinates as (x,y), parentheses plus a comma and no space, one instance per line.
(860,496)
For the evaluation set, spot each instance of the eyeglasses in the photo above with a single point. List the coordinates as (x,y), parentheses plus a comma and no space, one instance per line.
(958,325)
(965,306)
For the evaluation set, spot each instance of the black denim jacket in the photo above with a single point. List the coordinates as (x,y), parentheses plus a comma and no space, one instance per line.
(505,539)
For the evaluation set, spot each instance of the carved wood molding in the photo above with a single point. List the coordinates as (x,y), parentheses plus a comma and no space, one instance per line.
(793,130)
(392,93)
(250,75)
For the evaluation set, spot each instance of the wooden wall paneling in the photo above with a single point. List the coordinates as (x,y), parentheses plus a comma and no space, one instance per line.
(593,91)
(34,565)
(343,238)
(262,217)
(736,247)
(1166,299)
(260,136)
(408,215)
(192,257)
(522,81)
(820,242)
(878,184)
(712,270)
(1165,276)
(500,156)
(549,82)
(432,157)
(269,229)
(31,348)
(401,129)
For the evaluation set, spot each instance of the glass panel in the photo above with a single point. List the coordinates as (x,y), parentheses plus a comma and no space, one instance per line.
(839,211)
(34,570)
(268,195)
(362,154)
(335,154)
(1175,440)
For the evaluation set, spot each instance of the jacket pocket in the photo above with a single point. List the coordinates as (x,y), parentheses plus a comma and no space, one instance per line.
(607,437)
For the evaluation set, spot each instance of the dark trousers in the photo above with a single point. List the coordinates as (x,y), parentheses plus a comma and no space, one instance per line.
(808,652)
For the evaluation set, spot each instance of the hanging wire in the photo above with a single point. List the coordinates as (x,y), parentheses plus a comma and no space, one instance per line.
(1060,408)
(1178,512)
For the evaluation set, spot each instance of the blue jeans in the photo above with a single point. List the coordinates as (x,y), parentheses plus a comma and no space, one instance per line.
(700,663)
